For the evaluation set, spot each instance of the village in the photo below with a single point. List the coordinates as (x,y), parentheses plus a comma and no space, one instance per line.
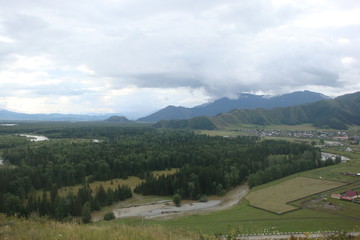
(340,136)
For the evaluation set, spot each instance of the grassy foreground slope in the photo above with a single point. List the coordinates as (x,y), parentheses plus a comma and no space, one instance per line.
(44,229)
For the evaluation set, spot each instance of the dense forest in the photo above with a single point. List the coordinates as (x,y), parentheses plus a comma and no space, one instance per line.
(206,165)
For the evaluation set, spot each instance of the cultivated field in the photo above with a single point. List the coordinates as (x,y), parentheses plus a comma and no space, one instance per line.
(275,198)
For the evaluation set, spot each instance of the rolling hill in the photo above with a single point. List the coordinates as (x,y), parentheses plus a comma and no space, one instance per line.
(120,119)
(243,101)
(335,113)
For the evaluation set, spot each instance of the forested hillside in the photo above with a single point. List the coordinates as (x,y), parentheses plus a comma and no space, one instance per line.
(335,113)
(207,165)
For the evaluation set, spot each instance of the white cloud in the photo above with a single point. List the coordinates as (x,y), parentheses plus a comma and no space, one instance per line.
(343,41)
(85,69)
(6,39)
(332,18)
(347,60)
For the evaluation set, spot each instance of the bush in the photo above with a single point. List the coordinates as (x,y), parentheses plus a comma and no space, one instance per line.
(108,216)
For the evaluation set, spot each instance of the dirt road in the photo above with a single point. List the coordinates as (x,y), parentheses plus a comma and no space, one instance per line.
(291,235)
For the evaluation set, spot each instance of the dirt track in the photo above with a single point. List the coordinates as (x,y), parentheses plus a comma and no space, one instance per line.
(166,209)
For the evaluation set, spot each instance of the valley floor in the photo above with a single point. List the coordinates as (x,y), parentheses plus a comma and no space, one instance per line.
(153,207)
(167,210)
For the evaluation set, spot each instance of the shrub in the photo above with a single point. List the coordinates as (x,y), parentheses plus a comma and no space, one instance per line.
(108,216)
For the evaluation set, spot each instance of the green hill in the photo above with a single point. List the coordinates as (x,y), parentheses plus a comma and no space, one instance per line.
(335,113)
(121,119)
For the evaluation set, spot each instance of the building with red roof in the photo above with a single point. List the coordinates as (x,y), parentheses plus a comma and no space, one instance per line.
(349,195)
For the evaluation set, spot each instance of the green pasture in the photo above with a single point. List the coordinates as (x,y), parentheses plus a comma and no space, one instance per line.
(337,172)
(275,198)
(252,220)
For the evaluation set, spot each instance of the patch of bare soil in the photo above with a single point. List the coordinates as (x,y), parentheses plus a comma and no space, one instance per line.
(166,209)
(321,203)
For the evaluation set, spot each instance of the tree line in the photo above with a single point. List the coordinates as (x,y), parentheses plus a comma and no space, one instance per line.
(64,207)
(259,163)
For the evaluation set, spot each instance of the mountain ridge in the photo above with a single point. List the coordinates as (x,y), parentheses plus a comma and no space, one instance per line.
(335,113)
(243,101)
(6,115)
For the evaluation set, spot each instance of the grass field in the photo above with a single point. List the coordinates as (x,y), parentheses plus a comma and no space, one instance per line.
(252,220)
(275,198)
(45,229)
(221,133)
(131,181)
(113,184)
(336,172)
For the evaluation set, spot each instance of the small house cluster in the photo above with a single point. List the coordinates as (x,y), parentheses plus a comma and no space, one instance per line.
(349,195)
(352,174)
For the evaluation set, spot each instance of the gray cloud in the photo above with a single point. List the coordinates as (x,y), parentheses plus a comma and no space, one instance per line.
(218,48)
(167,80)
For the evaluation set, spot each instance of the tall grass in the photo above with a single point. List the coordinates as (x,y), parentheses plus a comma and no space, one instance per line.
(37,228)
(45,229)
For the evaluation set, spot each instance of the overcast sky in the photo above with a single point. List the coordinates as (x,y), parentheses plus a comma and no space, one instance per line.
(137,56)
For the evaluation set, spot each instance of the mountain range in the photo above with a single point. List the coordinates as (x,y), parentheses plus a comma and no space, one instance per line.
(243,101)
(8,115)
(336,113)
(222,105)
